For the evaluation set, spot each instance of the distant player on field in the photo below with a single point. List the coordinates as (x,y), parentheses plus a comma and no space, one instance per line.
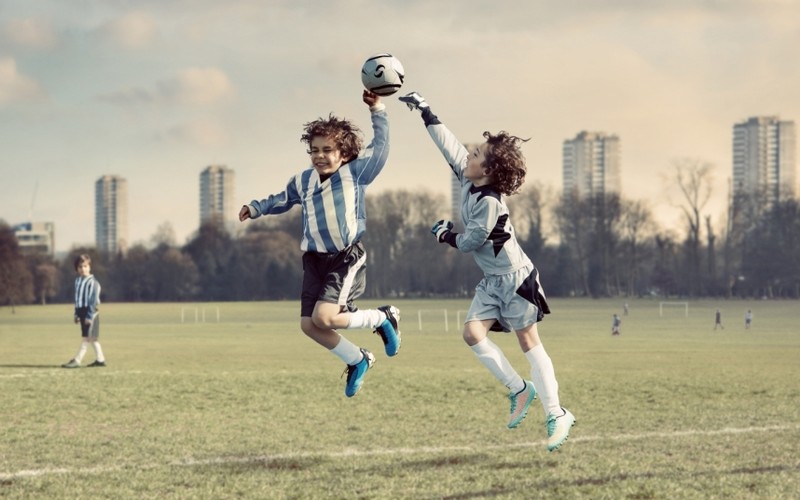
(331,194)
(718,320)
(87,302)
(509,296)
(748,319)
(616,321)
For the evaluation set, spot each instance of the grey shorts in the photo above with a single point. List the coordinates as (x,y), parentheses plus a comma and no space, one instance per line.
(337,278)
(515,300)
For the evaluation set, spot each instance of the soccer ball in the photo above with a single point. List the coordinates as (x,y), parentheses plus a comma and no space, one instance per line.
(382,74)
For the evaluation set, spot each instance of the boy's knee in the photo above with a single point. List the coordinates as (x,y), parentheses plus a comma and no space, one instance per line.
(322,319)
(469,337)
(307,326)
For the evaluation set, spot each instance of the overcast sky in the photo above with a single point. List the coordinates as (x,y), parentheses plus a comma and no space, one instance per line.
(156,90)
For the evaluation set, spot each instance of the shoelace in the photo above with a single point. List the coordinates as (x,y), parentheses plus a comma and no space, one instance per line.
(348,370)
(551,426)
(513,398)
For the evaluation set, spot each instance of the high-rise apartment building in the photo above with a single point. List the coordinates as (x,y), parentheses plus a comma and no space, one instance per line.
(591,164)
(216,195)
(764,159)
(111,214)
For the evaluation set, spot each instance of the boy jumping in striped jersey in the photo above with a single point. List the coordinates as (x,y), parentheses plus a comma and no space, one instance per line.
(509,296)
(331,194)
(87,300)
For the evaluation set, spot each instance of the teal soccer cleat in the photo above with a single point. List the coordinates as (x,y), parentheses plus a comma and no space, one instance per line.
(558,429)
(356,372)
(520,402)
(389,330)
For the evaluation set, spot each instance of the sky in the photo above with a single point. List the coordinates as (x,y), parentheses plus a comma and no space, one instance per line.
(156,90)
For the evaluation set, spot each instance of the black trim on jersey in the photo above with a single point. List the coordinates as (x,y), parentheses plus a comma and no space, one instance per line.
(429,118)
(449,237)
(482,191)
(498,236)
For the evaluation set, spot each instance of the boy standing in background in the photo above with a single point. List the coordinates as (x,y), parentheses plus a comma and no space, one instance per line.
(87,300)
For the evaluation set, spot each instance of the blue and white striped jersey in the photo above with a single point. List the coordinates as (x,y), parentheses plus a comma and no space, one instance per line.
(488,232)
(87,294)
(334,215)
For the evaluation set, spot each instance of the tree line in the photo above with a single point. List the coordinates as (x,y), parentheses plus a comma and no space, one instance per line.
(590,247)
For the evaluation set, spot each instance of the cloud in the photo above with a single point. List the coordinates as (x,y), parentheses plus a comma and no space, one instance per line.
(32,33)
(15,86)
(190,87)
(196,133)
(197,86)
(134,30)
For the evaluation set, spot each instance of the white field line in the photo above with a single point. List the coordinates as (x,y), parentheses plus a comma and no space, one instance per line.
(353,452)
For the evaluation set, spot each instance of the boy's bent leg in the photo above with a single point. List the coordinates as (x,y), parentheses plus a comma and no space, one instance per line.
(358,360)
(326,337)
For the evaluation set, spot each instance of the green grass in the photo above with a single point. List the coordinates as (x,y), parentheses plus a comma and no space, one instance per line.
(249,407)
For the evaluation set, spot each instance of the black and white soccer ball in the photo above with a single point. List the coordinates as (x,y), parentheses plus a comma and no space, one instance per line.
(382,74)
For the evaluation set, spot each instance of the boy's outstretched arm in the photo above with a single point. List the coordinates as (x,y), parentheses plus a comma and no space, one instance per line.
(451,148)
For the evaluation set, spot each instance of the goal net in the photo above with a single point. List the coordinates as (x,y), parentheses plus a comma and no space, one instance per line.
(671,306)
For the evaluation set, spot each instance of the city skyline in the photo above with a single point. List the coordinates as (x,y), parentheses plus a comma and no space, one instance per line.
(154,92)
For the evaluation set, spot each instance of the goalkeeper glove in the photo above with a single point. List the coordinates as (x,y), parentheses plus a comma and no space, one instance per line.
(414,101)
(441,228)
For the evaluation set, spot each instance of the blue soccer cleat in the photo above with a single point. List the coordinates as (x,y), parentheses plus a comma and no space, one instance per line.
(389,331)
(356,372)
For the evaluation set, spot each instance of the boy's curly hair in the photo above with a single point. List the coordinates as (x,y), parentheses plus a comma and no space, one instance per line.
(505,161)
(345,135)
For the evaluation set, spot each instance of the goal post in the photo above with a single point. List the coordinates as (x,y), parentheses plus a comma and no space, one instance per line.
(435,312)
(198,314)
(673,304)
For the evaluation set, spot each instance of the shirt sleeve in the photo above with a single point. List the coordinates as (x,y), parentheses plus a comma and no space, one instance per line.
(372,160)
(451,148)
(277,203)
(94,301)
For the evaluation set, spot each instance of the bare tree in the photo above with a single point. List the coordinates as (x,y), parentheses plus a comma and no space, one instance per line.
(636,225)
(572,215)
(693,178)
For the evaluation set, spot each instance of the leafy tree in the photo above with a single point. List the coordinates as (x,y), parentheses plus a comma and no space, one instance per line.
(212,251)
(16,282)
(44,271)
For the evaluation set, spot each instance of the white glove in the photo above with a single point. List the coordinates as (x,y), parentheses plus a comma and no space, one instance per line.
(440,228)
(414,101)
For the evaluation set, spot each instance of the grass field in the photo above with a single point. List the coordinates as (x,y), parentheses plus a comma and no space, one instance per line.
(248,407)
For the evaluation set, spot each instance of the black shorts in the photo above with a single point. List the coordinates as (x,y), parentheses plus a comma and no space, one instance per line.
(337,278)
(92,330)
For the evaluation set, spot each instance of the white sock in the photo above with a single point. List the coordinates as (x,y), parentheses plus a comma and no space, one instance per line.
(544,379)
(98,351)
(81,352)
(368,318)
(347,351)
(493,358)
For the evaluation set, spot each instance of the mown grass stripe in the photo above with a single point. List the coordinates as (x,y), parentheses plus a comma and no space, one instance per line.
(191,462)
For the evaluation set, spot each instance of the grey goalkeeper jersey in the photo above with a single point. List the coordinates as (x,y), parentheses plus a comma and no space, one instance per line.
(488,232)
